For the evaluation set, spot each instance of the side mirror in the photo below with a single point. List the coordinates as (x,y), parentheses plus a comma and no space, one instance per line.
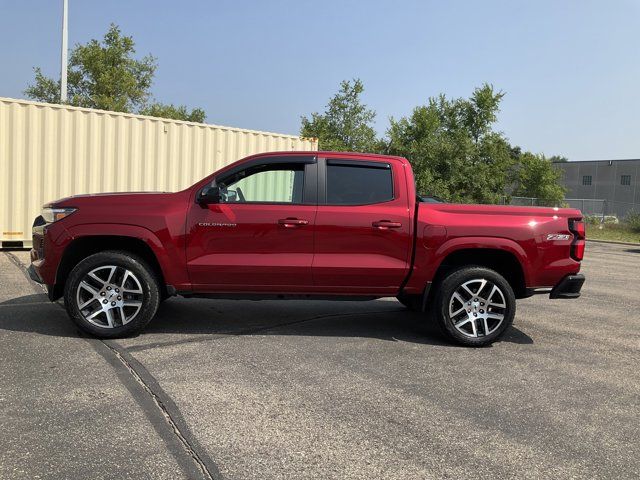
(209,195)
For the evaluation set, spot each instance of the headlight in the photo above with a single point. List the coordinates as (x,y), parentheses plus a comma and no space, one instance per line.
(51,215)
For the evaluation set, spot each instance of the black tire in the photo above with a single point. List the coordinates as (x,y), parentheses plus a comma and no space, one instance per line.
(412,302)
(147,296)
(444,302)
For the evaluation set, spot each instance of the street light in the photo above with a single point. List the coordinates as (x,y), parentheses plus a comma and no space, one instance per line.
(63,56)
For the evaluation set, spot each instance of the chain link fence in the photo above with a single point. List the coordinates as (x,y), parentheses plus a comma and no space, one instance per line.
(588,206)
(620,209)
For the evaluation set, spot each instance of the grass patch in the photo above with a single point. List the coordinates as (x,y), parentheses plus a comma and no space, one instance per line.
(614,232)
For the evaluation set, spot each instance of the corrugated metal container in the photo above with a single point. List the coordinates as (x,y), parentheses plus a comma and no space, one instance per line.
(53,151)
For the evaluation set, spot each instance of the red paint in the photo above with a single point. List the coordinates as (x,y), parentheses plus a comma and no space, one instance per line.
(366,248)
(255,249)
(283,248)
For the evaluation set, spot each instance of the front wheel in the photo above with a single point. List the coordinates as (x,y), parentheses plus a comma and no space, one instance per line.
(474,306)
(111,294)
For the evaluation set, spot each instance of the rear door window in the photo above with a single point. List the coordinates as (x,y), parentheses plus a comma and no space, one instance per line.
(358,183)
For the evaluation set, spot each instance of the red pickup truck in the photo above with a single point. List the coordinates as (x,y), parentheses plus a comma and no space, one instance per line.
(304,225)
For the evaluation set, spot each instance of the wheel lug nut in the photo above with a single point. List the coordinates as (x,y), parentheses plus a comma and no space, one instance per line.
(119,297)
(481,304)
(105,301)
(468,310)
(108,288)
(475,299)
(113,304)
(481,311)
(468,303)
(102,294)
(475,314)
(117,290)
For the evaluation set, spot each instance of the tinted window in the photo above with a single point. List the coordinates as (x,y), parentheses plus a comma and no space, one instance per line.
(357,183)
(625,180)
(271,183)
(586,180)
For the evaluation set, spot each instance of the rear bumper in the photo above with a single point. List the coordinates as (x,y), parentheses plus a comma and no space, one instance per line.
(569,287)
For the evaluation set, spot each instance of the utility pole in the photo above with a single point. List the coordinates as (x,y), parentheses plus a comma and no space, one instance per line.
(63,56)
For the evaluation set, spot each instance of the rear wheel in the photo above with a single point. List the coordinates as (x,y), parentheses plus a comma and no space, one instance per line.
(474,306)
(111,294)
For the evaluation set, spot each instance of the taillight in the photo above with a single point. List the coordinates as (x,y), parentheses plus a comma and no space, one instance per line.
(577,250)
(577,227)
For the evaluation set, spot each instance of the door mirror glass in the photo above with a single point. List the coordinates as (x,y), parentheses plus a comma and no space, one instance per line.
(231,196)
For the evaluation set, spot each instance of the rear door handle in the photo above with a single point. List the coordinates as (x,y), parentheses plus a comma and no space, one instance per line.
(386,224)
(292,222)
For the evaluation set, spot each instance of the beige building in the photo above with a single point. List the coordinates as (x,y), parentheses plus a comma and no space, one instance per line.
(53,151)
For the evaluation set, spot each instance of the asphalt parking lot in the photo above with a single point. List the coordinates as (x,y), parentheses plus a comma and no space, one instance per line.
(340,390)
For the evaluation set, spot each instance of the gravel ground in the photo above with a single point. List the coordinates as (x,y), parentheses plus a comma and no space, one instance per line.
(344,390)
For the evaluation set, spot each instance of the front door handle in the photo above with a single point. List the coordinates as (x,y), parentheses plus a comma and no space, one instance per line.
(386,224)
(292,222)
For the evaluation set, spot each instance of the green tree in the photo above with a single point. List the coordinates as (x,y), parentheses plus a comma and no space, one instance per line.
(44,89)
(452,144)
(535,176)
(454,151)
(106,75)
(346,124)
(173,111)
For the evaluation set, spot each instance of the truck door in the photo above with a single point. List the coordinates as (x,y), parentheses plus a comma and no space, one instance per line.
(259,237)
(363,232)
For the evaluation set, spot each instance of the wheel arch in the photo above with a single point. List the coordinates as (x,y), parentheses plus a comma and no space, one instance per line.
(82,247)
(503,261)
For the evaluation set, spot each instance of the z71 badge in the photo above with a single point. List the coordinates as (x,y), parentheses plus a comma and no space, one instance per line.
(558,236)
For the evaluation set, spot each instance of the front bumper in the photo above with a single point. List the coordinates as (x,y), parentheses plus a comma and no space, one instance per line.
(33,274)
(52,294)
(569,287)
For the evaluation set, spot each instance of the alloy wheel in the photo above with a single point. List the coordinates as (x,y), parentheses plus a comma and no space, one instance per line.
(109,296)
(477,308)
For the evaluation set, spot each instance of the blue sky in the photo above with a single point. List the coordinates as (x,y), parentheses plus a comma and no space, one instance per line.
(570,69)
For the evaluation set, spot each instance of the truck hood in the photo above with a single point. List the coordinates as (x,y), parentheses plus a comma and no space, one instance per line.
(153,211)
(105,198)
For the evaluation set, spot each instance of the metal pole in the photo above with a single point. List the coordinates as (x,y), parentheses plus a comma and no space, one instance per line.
(63,56)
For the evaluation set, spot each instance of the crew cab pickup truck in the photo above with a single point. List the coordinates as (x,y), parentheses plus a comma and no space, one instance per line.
(304,225)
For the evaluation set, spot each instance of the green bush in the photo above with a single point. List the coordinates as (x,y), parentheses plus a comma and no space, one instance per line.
(601,220)
(632,219)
